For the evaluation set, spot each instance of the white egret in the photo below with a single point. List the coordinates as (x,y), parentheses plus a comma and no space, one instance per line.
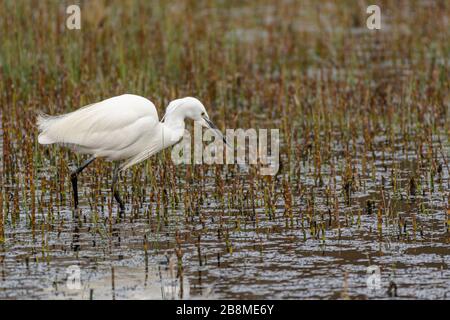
(125,127)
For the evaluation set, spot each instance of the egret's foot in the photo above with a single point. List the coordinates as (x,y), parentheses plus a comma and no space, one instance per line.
(115,190)
(121,208)
(73,179)
(119,201)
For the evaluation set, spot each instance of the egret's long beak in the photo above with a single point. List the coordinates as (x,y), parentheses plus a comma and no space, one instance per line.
(211,125)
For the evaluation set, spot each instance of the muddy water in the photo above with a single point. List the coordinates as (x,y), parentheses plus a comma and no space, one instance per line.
(90,255)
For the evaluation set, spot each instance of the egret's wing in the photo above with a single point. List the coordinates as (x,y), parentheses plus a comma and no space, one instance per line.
(159,138)
(111,124)
(154,148)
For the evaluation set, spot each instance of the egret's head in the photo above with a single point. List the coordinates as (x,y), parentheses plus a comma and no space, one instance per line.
(188,107)
(193,109)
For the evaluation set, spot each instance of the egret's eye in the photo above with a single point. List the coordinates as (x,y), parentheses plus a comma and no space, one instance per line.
(203,114)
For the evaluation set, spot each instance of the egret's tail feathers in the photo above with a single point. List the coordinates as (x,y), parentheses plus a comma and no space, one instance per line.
(50,128)
(44,122)
(43,139)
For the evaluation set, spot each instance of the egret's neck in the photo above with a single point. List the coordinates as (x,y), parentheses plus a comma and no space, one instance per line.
(175,122)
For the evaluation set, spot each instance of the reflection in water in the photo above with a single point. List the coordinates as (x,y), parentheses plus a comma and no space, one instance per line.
(122,283)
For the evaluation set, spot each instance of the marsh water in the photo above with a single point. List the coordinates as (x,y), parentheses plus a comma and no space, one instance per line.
(133,255)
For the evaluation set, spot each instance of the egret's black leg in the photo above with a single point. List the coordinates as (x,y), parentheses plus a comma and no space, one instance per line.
(73,178)
(114,188)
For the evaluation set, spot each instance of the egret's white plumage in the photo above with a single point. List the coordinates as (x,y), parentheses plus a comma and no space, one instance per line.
(120,128)
(125,127)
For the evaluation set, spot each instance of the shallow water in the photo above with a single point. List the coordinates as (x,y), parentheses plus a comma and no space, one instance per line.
(270,258)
